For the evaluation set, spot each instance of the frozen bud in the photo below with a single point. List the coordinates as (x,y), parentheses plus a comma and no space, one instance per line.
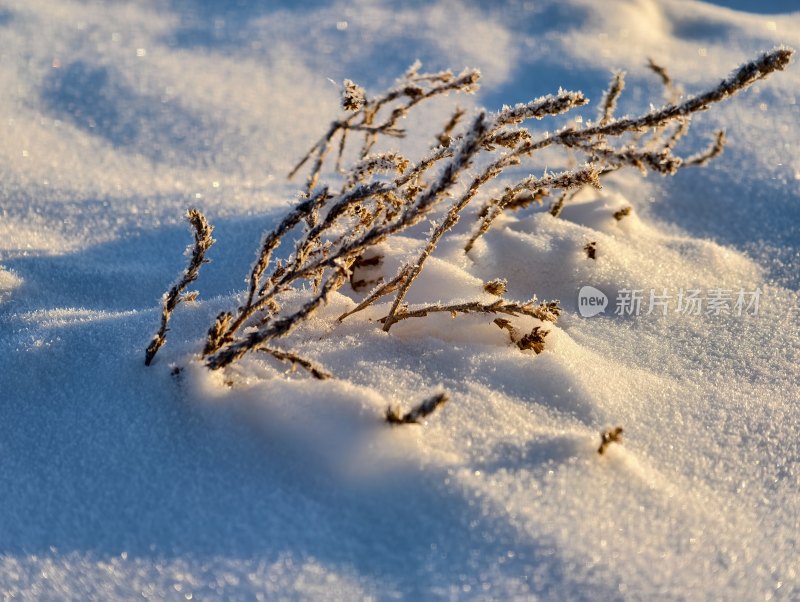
(496,287)
(352,96)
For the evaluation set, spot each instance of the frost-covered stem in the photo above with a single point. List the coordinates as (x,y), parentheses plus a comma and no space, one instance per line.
(469,146)
(226,325)
(661,161)
(680,131)
(710,153)
(540,108)
(465,82)
(611,97)
(277,328)
(742,78)
(671,91)
(566,180)
(379,291)
(537,109)
(424,165)
(318,151)
(548,312)
(371,164)
(202,243)
(444,138)
(340,154)
(273,240)
(287,356)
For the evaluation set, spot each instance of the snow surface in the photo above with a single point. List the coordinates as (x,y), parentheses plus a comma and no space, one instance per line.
(119,481)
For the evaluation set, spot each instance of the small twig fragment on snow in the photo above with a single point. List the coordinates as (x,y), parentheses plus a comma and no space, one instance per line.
(414,416)
(624,212)
(609,436)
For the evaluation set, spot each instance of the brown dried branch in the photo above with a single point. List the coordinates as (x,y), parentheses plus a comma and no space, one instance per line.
(548,312)
(379,291)
(712,152)
(558,204)
(537,186)
(671,91)
(444,138)
(409,92)
(202,243)
(276,328)
(610,98)
(287,356)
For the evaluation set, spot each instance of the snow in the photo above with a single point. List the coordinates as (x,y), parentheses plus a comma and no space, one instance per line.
(119,481)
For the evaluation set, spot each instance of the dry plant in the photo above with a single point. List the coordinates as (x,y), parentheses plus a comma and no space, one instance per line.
(336,228)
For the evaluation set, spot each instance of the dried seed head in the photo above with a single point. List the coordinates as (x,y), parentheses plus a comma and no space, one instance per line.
(533,340)
(217,333)
(502,323)
(353,96)
(496,287)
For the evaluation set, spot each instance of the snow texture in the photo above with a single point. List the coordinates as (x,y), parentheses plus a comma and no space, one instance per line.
(119,481)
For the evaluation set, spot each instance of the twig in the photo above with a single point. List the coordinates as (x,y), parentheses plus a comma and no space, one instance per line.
(609,436)
(287,356)
(415,415)
(202,242)
(548,312)
(712,152)
(609,104)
